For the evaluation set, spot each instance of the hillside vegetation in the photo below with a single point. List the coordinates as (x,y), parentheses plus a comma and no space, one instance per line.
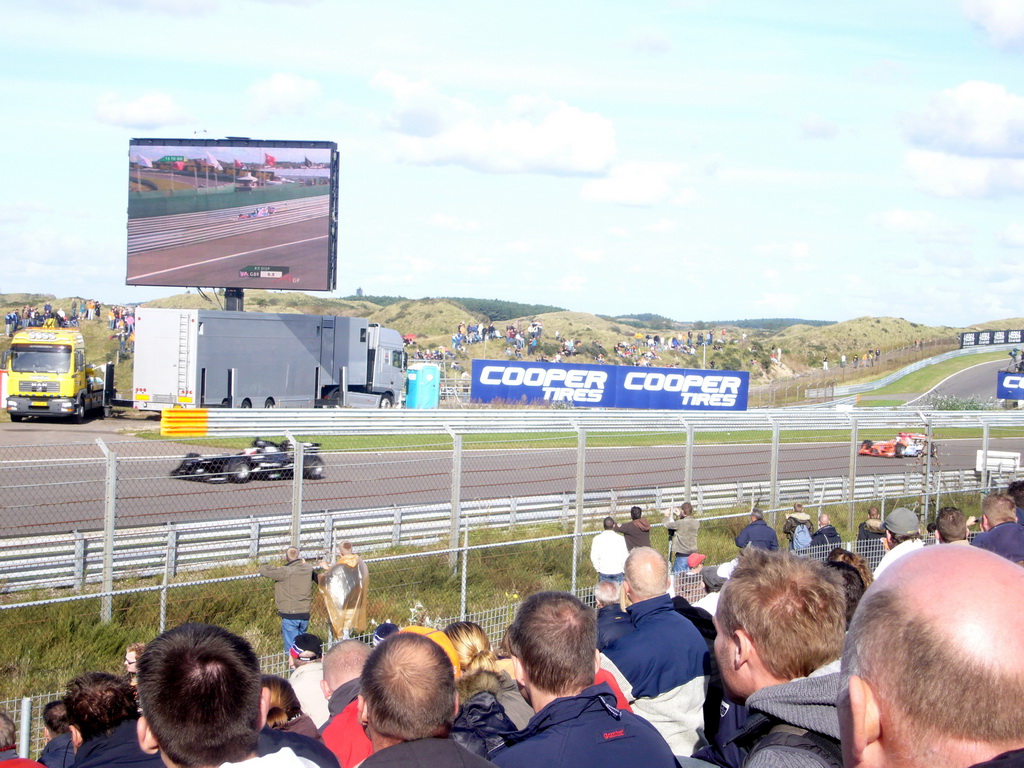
(747,346)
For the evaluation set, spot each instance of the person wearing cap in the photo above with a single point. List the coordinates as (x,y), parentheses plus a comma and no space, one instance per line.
(383,631)
(1001,534)
(292,595)
(683,528)
(307,656)
(902,536)
(714,578)
(758,533)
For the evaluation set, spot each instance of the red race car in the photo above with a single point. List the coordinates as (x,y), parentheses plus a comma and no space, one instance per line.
(908,444)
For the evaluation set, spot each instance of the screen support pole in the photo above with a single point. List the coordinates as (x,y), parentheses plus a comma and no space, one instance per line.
(234,299)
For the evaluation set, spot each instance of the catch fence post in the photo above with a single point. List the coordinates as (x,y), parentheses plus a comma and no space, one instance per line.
(456,516)
(688,467)
(984,454)
(853,469)
(298,465)
(109,517)
(26,726)
(581,467)
(774,493)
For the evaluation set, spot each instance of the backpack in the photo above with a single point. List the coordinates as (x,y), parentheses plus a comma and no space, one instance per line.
(762,732)
(797,531)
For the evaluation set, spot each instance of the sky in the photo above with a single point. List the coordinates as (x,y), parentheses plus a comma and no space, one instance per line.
(698,159)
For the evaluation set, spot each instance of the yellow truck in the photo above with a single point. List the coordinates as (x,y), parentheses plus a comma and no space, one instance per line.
(47,376)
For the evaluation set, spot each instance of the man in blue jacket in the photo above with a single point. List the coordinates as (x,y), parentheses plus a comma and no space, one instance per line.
(576,725)
(758,533)
(663,665)
(1002,534)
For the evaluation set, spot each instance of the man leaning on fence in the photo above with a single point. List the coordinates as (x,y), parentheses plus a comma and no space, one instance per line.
(683,528)
(292,595)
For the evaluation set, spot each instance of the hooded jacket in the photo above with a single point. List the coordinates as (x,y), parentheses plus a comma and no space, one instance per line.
(637,533)
(827,535)
(585,731)
(481,722)
(807,702)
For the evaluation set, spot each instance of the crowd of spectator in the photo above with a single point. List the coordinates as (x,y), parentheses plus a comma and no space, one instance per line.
(120,319)
(868,657)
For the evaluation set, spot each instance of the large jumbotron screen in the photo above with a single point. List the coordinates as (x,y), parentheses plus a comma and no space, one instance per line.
(233,213)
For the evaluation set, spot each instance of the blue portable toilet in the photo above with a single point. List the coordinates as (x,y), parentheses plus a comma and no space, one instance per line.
(423,386)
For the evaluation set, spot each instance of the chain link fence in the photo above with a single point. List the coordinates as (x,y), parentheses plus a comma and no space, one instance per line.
(104,546)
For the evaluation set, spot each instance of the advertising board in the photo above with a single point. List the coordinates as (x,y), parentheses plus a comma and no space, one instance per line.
(990,338)
(1010,386)
(609,386)
(232,213)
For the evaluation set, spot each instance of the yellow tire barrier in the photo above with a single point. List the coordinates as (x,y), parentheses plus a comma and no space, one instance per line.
(183,422)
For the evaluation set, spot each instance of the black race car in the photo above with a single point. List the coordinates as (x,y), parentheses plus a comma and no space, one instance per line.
(264,460)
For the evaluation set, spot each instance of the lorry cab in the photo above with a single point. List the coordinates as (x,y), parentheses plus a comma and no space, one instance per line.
(47,375)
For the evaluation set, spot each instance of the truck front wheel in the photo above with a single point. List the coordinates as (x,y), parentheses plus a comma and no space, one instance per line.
(79,413)
(16,417)
(387,401)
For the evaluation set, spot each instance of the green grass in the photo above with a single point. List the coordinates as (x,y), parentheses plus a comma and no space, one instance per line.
(923,380)
(880,403)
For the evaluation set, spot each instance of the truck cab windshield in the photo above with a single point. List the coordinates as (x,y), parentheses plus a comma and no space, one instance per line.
(40,358)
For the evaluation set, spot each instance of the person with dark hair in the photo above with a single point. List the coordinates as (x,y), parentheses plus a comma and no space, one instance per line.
(870,537)
(853,585)
(637,531)
(102,716)
(1016,492)
(407,703)
(608,553)
(201,694)
(59,752)
(758,533)
(577,725)
(663,665)
(951,527)
(8,754)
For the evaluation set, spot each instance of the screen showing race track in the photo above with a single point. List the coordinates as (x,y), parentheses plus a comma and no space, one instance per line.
(232,213)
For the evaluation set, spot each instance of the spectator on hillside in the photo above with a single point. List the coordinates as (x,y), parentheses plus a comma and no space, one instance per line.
(781,621)
(902,536)
(1001,534)
(951,527)
(637,531)
(307,675)
(825,538)
(8,746)
(407,705)
(683,528)
(102,718)
(343,733)
(608,553)
(758,533)
(917,659)
(661,666)
(612,621)
(59,752)
(576,725)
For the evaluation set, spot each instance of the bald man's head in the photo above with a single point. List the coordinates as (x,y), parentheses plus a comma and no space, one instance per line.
(934,655)
(646,574)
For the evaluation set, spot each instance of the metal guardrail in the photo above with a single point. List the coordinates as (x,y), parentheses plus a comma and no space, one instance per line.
(224,422)
(858,389)
(76,559)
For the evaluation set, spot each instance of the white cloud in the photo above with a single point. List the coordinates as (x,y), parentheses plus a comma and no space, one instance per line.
(618,232)
(816,127)
(281,94)
(684,196)
(923,225)
(1013,236)
(519,246)
(778,302)
(151,110)
(573,283)
(1002,19)
(453,223)
(589,255)
(946,175)
(794,257)
(975,118)
(662,225)
(633,184)
(528,134)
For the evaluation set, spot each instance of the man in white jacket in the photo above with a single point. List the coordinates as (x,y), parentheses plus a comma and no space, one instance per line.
(608,553)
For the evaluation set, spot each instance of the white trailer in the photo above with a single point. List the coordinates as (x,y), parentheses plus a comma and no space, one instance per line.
(197,358)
